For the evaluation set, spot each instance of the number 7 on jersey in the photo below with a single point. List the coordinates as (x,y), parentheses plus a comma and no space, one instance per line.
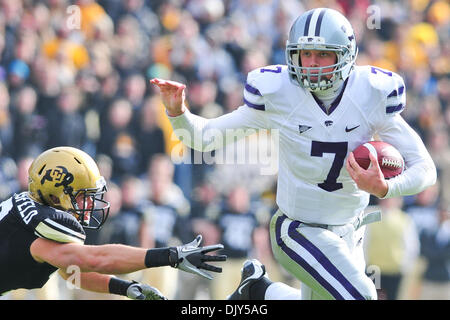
(318,148)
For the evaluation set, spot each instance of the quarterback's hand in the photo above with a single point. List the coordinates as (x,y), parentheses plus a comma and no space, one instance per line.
(370,180)
(172,95)
(140,291)
(191,258)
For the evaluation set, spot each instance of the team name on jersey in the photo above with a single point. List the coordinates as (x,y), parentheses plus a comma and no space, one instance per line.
(26,207)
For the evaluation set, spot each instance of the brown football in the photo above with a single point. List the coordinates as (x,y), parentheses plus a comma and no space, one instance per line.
(389,158)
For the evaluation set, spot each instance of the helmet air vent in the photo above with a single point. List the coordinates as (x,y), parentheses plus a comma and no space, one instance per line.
(42,169)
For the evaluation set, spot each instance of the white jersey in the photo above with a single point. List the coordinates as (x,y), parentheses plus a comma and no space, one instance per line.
(313,183)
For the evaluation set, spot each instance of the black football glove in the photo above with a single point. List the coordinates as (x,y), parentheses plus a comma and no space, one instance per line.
(191,258)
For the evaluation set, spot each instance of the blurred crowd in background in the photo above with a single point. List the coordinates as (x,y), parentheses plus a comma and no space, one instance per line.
(77,73)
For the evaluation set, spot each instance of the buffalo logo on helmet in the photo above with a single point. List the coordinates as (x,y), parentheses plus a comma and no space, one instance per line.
(60,175)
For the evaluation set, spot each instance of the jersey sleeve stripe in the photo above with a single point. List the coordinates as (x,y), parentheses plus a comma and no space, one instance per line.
(392,109)
(65,229)
(396,92)
(44,231)
(252,90)
(54,231)
(261,107)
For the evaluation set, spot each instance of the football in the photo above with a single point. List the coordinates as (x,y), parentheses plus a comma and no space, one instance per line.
(389,158)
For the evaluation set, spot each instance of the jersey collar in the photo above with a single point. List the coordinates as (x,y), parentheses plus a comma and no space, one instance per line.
(334,104)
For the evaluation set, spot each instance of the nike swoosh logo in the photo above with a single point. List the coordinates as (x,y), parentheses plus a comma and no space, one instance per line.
(348,130)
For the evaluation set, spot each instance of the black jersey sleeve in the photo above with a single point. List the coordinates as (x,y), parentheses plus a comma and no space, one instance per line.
(61,227)
(48,222)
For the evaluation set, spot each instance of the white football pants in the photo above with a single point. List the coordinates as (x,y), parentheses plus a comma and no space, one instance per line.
(328,261)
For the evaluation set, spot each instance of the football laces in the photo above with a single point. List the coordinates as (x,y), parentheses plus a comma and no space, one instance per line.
(389,162)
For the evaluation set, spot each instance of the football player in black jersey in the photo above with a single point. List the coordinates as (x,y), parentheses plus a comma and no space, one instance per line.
(42,230)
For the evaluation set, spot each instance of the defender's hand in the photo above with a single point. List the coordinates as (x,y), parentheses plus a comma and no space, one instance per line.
(370,180)
(191,258)
(172,95)
(140,291)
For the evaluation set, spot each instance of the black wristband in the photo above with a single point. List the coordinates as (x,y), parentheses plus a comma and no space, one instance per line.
(119,286)
(173,257)
(157,257)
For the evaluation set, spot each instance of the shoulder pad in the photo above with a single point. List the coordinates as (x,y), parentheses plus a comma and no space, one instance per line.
(60,226)
(391,87)
(262,81)
(267,79)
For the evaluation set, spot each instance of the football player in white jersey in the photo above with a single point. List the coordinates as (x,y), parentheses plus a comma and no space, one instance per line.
(42,230)
(323,107)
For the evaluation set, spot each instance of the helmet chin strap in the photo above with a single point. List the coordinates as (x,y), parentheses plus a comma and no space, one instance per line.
(328,93)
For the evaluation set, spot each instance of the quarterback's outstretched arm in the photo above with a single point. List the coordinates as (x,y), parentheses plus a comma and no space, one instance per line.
(204,134)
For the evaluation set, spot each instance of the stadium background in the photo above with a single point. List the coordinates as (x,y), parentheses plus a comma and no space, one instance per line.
(76,73)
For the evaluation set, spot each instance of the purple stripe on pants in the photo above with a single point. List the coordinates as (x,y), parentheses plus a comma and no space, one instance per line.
(294,256)
(322,259)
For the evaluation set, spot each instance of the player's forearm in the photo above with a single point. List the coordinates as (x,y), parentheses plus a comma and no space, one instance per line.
(111,259)
(95,282)
(197,132)
(420,172)
(189,129)
(206,135)
(102,283)
(105,259)
(121,259)
(413,180)
(90,281)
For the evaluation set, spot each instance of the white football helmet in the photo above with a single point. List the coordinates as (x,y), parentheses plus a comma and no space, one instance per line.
(321,29)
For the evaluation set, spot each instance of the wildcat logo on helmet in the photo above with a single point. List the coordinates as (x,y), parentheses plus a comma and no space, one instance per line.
(60,174)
